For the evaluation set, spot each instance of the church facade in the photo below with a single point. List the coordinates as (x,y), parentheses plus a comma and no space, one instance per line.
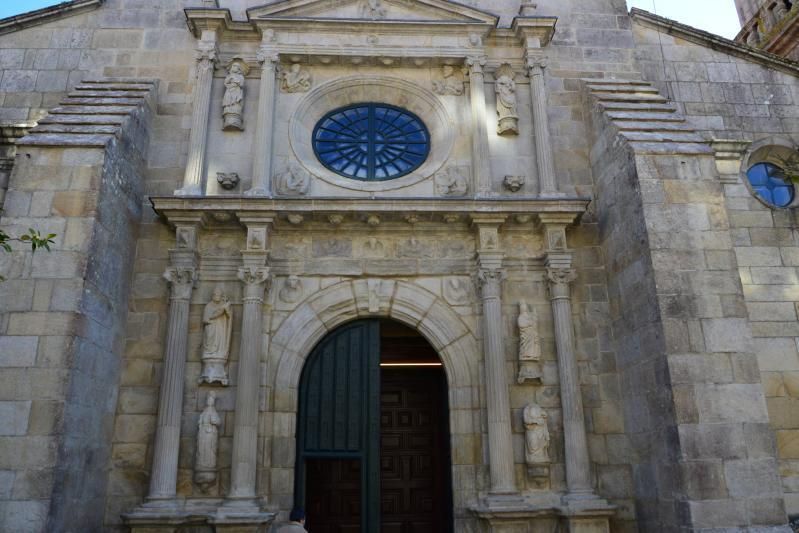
(411,265)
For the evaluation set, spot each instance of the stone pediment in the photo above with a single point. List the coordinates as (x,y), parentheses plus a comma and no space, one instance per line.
(415,11)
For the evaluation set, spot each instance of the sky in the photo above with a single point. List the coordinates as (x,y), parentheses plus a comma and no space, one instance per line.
(717,16)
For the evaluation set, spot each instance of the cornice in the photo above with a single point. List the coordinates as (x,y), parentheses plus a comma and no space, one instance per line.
(534,32)
(714,42)
(47,14)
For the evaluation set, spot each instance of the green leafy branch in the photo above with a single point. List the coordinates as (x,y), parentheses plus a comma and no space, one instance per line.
(34,238)
(790,167)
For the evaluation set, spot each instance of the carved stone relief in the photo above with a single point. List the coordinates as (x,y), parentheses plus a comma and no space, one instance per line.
(373,247)
(296,79)
(227,180)
(295,180)
(457,291)
(450,182)
(205,463)
(513,183)
(291,292)
(373,9)
(507,113)
(536,435)
(233,100)
(529,345)
(217,332)
(450,83)
(374,294)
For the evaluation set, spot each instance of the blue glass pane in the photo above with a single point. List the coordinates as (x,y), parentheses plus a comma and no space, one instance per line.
(371,142)
(769,184)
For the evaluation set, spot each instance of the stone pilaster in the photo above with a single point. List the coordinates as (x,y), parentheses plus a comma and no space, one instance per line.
(182,277)
(264,135)
(543,144)
(490,278)
(481,169)
(198,139)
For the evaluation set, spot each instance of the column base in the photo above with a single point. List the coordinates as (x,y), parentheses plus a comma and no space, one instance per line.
(171,516)
(585,512)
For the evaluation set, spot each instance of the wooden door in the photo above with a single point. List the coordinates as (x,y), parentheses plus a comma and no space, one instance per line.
(413,452)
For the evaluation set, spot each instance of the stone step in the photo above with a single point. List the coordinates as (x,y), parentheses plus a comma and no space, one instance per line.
(76,128)
(139,87)
(654,107)
(642,125)
(662,136)
(111,79)
(629,97)
(670,148)
(607,81)
(67,139)
(624,88)
(97,101)
(106,94)
(91,110)
(645,117)
(99,120)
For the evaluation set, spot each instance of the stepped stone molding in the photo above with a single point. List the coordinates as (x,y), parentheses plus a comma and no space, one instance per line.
(47,14)
(92,114)
(648,121)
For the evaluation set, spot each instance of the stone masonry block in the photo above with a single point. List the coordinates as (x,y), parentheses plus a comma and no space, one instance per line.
(727,334)
(747,478)
(758,256)
(731,403)
(18,351)
(14,417)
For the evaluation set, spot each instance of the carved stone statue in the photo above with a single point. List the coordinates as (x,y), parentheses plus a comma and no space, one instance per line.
(294,180)
(207,443)
(217,330)
(296,79)
(536,435)
(233,100)
(373,9)
(450,182)
(507,112)
(529,345)
(450,83)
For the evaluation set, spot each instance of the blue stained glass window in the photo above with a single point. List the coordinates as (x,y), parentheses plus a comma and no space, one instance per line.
(371,142)
(770,185)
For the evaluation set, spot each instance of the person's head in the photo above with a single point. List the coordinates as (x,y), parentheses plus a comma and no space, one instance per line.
(218,295)
(297,515)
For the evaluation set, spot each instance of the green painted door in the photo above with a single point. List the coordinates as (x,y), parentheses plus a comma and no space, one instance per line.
(339,415)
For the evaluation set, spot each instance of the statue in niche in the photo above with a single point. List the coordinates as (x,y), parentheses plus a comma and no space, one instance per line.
(373,9)
(207,443)
(233,100)
(507,113)
(292,290)
(217,330)
(294,180)
(450,84)
(536,435)
(450,182)
(296,79)
(529,345)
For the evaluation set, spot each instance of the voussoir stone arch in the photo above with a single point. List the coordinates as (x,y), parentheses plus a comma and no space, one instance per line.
(350,300)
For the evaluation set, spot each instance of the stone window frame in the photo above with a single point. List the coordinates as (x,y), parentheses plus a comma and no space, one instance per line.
(357,89)
(771,150)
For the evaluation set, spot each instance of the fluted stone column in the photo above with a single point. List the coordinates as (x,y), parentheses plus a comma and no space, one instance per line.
(198,138)
(182,277)
(578,466)
(255,277)
(543,143)
(481,169)
(264,134)
(490,277)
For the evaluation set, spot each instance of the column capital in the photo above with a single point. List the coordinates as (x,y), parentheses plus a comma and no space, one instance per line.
(475,63)
(561,276)
(250,275)
(487,276)
(207,52)
(267,56)
(536,63)
(182,280)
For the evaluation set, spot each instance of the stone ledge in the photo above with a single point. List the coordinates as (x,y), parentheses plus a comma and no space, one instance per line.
(48,14)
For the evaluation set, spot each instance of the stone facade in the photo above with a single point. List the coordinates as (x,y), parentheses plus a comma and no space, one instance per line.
(664,292)
(772,25)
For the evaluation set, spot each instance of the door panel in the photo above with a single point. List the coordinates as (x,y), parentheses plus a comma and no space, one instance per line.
(334,495)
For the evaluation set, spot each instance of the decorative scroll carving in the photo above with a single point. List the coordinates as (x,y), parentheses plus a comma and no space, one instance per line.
(296,79)
(373,9)
(205,462)
(507,113)
(233,100)
(291,292)
(529,345)
(217,332)
(536,435)
(450,83)
(295,180)
(450,182)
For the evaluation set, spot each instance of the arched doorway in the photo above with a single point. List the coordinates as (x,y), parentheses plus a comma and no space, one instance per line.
(373,450)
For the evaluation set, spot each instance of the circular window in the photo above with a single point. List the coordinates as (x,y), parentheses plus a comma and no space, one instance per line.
(770,184)
(371,142)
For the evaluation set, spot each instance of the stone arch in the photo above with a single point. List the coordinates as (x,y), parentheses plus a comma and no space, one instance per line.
(410,304)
